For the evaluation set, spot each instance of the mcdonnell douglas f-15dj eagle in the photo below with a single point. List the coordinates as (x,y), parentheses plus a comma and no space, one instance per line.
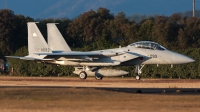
(89,63)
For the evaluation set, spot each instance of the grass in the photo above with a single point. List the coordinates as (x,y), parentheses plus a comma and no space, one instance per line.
(93,100)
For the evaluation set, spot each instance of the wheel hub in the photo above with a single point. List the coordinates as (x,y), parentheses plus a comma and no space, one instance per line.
(82,75)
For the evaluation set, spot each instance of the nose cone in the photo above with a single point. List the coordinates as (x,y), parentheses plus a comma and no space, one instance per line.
(181,59)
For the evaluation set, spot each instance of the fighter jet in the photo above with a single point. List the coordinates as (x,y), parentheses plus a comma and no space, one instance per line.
(58,52)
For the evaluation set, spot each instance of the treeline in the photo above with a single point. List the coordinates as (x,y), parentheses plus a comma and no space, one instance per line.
(94,30)
(139,17)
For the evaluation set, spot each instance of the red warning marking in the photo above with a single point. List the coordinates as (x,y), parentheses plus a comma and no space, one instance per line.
(141,58)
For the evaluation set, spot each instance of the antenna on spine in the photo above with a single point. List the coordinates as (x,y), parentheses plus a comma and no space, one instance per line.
(194,8)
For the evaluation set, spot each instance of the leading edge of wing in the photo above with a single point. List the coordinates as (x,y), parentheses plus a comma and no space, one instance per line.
(81,54)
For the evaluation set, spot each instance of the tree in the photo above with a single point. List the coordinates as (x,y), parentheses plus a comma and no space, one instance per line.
(118,28)
(146,29)
(7,32)
(88,26)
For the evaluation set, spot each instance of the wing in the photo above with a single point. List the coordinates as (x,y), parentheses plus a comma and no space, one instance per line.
(76,55)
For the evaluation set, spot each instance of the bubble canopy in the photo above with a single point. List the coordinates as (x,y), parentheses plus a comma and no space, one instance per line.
(147,45)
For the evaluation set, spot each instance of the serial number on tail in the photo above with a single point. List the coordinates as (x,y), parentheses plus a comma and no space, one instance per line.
(42,49)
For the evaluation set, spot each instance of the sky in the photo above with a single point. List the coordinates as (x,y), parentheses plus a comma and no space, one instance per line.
(42,9)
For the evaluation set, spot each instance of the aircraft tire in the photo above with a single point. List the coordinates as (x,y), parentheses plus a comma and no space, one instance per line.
(98,77)
(83,75)
(138,77)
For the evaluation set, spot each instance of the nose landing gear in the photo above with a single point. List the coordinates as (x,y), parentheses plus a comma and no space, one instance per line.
(138,71)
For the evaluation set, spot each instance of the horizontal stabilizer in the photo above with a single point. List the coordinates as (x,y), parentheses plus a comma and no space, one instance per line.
(18,57)
(28,58)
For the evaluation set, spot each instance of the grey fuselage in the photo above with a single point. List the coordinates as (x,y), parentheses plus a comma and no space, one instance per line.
(128,56)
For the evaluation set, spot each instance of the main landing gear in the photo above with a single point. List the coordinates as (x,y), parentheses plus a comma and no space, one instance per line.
(83,73)
(138,71)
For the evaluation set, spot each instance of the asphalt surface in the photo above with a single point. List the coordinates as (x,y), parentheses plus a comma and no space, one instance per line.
(129,85)
(172,91)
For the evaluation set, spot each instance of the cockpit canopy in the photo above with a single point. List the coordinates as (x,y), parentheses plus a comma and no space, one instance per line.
(147,45)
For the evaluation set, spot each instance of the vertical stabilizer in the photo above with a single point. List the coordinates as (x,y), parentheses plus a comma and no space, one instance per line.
(36,42)
(56,41)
